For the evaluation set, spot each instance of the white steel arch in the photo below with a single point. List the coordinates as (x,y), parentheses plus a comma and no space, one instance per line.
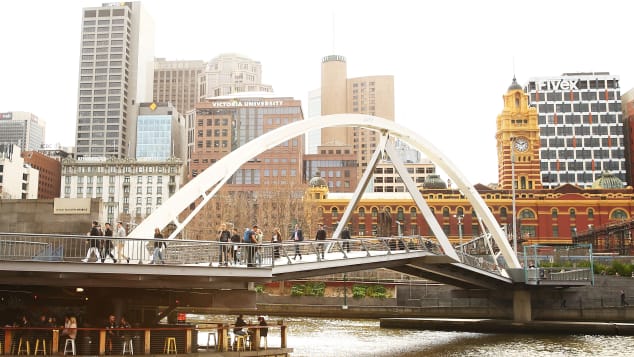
(207,183)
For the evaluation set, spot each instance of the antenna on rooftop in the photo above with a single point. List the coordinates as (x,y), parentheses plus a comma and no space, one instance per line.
(333,33)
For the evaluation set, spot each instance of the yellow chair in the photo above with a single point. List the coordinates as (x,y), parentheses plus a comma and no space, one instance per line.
(37,346)
(241,342)
(170,345)
(27,346)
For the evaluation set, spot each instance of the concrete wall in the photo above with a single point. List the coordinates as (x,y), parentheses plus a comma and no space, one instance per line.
(36,216)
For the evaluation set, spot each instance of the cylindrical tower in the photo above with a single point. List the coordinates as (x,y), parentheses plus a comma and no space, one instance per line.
(334,93)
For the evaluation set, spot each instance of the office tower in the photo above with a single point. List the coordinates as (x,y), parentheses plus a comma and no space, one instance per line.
(116,71)
(580,127)
(160,132)
(23,129)
(229,74)
(313,137)
(627,101)
(373,95)
(178,82)
(221,125)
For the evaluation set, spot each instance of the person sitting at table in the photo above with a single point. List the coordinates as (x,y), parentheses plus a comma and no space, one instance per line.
(237,330)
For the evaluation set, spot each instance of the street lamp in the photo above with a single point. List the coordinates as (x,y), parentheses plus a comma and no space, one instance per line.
(460,217)
(513,235)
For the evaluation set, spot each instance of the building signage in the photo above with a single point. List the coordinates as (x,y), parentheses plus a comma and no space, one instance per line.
(255,103)
(8,115)
(92,158)
(71,206)
(557,84)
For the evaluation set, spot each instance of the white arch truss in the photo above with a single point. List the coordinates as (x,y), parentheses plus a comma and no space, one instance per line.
(207,183)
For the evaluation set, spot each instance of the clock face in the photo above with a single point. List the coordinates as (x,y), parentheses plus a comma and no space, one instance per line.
(520,144)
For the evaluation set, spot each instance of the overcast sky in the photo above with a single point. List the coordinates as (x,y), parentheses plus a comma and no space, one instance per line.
(451,60)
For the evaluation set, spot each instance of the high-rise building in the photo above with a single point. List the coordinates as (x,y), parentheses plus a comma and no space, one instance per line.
(230,74)
(221,125)
(178,82)
(627,101)
(116,71)
(23,129)
(372,95)
(160,132)
(580,127)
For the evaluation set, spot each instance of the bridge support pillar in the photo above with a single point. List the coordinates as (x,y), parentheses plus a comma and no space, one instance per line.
(522,309)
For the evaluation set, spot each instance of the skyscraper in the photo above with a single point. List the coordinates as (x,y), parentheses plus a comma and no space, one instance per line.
(178,82)
(116,71)
(373,95)
(160,132)
(580,127)
(23,129)
(230,74)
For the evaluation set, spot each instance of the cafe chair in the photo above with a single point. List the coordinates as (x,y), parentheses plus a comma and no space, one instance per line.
(240,342)
(265,344)
(69,346)
(170,345)
(209,336)
(39,348)
(27,346)
(128,347)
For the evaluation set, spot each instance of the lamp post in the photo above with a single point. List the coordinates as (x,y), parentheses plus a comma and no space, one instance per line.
(513,234)
(459,217)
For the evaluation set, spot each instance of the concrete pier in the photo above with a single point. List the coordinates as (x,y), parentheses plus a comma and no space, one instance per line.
(510,326)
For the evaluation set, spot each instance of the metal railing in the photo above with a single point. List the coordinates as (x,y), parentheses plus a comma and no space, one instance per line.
(69,248)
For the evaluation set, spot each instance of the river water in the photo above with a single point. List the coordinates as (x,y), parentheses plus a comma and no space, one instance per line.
(325,337)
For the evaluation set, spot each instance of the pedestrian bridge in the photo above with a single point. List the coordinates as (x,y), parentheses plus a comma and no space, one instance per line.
(35,259)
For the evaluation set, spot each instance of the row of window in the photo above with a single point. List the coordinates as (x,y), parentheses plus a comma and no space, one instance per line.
(615,130)
(571,96)
(583,166)
(119,169)
(579,108)
(565,153)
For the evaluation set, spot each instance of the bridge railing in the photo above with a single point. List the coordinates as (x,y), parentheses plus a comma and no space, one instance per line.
(72,248)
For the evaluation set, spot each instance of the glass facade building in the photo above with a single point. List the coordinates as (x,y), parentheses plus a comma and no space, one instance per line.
(154,137)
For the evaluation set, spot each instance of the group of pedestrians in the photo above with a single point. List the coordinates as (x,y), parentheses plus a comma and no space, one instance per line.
(230,252)
(102,248)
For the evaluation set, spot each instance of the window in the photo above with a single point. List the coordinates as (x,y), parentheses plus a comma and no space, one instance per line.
(573,213)
(527,214)
(618,214)
(590,213)
(554,213)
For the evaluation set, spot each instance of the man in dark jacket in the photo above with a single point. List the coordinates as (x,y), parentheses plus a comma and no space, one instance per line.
(107,245)
(297,236)
(321,236)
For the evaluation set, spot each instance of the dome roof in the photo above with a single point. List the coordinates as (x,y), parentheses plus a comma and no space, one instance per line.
(607,181)
(317,181)
(434,182)
(514,85)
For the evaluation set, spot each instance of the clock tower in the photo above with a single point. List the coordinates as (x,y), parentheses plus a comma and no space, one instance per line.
(517,139)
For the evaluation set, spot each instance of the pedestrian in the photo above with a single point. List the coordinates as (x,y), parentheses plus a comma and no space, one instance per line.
(158,245)
(235,239)
(121,233)
(345,235)
(276,239)
(297,237)
(107,244)
(320,236)
(93,243)
(623,302)
(225,248)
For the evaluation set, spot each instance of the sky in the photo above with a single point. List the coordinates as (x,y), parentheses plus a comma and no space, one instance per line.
(451,60)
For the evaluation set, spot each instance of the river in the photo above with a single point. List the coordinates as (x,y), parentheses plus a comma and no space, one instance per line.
(325,337)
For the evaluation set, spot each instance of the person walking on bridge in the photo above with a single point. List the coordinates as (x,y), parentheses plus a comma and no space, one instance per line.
(93,243)
(121,233)
(157,257)
(321,236)
(297,236)
(107,245)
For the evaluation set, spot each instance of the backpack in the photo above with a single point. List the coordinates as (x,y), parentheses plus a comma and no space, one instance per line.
(224,236)
(247,236)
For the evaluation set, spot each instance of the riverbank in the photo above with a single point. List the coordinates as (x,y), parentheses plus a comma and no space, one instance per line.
(508,326)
